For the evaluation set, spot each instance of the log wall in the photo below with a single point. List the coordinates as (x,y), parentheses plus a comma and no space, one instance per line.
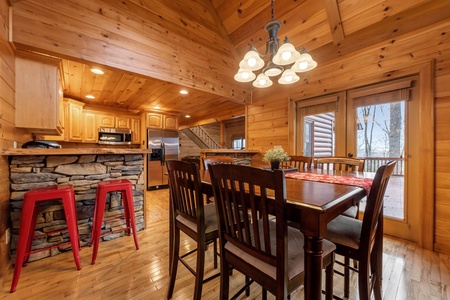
(8,133)
(268,114)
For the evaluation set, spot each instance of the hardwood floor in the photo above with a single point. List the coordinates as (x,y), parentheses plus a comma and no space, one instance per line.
(121,272)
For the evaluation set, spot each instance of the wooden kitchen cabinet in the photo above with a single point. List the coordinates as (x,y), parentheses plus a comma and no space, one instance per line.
(135,130)
(38,94)
(75,120)
(123,122)
(161,121)
(90,128)
(170,122)
(106,121)
(109,121)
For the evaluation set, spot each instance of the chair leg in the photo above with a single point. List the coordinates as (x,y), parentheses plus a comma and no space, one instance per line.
(376,267)
(174,256)
(329,272)
(215,253)
(247,291)
(264,294)
(364,280)
(224,277)
(346,277)
(200,269)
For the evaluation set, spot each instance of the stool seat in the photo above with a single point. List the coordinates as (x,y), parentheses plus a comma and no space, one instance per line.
(125,187)
(28,218)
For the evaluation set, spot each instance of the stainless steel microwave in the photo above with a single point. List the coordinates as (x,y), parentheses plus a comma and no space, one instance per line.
(114,136)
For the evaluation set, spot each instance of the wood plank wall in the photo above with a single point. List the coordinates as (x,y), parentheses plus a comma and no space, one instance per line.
(268,113)
(8,133)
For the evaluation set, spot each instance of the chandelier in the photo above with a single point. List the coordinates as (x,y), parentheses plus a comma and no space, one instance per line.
(286,56)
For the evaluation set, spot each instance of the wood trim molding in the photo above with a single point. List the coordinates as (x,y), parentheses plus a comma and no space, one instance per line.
(426,145)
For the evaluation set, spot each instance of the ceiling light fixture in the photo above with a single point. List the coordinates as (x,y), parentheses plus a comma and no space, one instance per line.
(90,96)
(97,71)
(184,92)
(279,56)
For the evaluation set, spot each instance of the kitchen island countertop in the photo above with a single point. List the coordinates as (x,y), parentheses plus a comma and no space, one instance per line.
(71,151)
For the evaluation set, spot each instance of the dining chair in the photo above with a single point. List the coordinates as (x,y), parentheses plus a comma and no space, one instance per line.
(189,214)
(192,160)
(298,161)
(342,164)
(363,240)
(339,163)
(213,160)
(255,238)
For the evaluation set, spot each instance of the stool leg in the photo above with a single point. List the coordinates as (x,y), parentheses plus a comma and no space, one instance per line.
(100,203)
(94,218)
(72,225)
(125,204)
(31,233)
(22,244)
(130,202)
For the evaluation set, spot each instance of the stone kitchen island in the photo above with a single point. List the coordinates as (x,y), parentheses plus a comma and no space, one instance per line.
(83,168)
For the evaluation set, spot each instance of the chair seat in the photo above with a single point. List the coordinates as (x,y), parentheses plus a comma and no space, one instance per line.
(295,252)
(345,231)
(210,219)
(352,212)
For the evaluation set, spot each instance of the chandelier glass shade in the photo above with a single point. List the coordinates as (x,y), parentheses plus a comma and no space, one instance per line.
(284,60)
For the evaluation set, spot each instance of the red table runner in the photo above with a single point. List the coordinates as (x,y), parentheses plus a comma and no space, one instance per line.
(365,183)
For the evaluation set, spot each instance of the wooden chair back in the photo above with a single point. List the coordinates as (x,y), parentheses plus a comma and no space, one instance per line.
(192,160)
(339,163)
(299,162)
(189,214)
(374,206)
(253,230)
(213,160)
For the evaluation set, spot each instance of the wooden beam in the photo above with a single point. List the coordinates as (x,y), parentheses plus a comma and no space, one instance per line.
(334,18)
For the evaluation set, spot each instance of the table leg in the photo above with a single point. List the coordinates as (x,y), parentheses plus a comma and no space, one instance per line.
(313,267)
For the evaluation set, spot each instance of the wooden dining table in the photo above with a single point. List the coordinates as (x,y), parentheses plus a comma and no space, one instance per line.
(312,205)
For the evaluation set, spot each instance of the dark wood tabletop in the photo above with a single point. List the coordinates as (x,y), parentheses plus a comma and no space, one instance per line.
(312,206)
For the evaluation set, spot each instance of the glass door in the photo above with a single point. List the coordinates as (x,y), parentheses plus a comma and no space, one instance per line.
(380,137)
(380,127)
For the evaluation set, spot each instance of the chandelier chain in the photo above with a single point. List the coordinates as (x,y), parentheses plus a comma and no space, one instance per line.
(273,9)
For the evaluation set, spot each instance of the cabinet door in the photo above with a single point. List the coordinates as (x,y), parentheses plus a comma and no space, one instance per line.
(90,128)
(75,122)
(154,120)
(135,130)
(123,122)
(106,121)
(170,122)
(37,95)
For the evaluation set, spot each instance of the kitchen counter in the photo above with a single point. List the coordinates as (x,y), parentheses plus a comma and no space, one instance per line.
(71,151)
(241,157)
(82,168)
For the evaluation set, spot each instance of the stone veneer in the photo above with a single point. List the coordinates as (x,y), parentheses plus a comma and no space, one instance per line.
(83,172)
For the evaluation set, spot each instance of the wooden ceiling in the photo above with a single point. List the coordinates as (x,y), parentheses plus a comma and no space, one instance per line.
(151,49)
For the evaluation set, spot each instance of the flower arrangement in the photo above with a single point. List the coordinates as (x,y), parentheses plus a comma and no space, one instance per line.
(276,154)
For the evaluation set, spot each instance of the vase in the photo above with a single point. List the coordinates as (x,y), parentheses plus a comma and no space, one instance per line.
(274,165)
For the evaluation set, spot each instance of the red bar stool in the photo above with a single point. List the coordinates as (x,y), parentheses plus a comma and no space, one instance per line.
(28,218)
(104,187)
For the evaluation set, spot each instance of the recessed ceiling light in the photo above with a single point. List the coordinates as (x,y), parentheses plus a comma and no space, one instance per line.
(187,116)
(156,107)
(184,92)
(97,71)
(90,96)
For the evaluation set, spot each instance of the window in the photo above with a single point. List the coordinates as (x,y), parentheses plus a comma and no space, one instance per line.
(238,143)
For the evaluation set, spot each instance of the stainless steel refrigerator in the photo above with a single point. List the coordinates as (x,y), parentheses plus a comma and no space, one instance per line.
(164,146)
